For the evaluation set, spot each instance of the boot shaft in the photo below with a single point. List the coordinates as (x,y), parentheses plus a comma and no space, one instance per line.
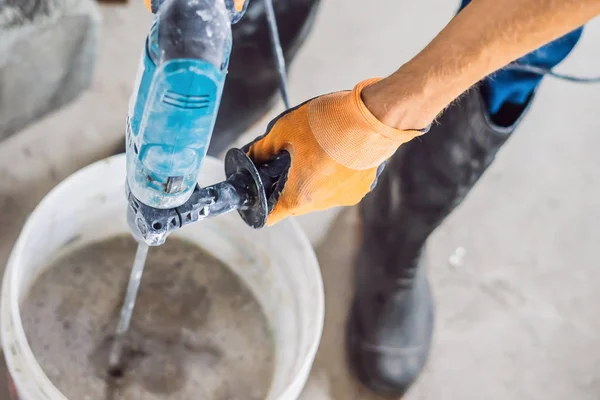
(428,177)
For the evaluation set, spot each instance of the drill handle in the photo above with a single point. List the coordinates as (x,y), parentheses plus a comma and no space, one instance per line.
(258,186)
(273,175)
(251,190)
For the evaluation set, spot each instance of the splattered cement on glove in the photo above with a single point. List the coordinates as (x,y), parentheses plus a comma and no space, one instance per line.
(197,332)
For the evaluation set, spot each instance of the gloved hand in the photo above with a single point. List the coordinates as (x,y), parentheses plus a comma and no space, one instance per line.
(337,150)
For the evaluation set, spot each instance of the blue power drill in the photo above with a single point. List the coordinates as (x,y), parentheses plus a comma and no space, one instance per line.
(170,122)
(171,117)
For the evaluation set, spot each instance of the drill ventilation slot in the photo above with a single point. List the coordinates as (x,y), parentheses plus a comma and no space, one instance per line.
(186,101)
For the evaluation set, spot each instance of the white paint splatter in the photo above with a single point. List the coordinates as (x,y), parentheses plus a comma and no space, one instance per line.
(457,258)
(206,15)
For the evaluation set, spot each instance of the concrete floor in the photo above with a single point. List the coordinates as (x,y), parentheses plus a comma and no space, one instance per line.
(517,315)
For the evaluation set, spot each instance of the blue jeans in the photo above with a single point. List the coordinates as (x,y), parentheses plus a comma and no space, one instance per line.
(514,87)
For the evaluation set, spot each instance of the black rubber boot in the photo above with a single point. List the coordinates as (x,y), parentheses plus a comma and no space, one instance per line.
(252,82)
(391,322)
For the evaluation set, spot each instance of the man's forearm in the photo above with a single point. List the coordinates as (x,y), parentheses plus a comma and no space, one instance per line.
(482,38)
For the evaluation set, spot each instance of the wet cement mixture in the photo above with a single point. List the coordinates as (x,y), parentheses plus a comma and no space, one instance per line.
(196,333)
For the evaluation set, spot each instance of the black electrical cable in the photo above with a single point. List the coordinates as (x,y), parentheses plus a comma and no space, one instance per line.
(277,51)
(547,71)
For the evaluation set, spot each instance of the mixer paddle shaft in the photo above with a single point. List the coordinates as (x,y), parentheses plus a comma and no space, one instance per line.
(133,286)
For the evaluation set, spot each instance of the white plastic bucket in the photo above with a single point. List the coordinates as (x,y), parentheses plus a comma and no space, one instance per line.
(277,263)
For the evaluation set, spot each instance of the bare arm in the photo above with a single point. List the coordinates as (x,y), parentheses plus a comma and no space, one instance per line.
(482,38)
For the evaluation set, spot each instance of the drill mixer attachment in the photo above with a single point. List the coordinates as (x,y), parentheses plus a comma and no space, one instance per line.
(248,189)
(171,117)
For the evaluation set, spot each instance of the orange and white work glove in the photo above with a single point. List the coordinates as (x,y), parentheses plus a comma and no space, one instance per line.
(337,149)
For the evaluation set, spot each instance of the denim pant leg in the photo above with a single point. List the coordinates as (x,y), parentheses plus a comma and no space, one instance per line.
(515,87)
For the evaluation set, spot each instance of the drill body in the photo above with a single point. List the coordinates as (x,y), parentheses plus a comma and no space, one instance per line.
(175,101)
(172,113)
